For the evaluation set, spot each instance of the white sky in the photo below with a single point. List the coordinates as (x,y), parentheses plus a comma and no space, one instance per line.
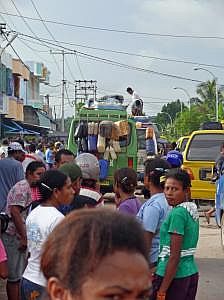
(178,17)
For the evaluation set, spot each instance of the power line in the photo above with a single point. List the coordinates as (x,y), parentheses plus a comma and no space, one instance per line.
(119,64)
(16,53)
(52,36)
(31,30)
(138,55)
(189,36)
(80,70)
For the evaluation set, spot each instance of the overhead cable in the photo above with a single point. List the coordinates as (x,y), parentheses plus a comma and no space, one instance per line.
(116,63)
(188,36)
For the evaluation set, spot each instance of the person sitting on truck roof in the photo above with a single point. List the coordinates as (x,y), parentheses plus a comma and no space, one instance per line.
(125,183)
(137,103)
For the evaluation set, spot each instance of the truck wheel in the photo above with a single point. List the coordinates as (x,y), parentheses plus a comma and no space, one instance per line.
(222,231)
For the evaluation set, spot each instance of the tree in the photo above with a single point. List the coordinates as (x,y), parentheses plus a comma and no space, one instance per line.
(207,94)
(169,109)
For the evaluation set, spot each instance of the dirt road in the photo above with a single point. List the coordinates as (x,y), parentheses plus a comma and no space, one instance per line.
(210,259)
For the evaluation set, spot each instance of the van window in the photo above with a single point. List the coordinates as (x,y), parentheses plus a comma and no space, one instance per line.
(141,139)
(183,144)
(205,147)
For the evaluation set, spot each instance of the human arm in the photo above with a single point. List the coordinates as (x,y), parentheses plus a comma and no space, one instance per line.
(15,212)
(150,221)
(173,261)
(148,239)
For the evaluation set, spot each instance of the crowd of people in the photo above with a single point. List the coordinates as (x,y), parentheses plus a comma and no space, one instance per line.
(62,243)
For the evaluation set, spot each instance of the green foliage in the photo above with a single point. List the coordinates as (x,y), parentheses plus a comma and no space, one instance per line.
(203,108)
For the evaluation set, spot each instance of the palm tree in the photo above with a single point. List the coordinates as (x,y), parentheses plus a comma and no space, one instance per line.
(207,94)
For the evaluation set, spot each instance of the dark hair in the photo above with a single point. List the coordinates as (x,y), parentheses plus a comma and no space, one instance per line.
(5,142)
(39,146)
(181,176)
(89,183)
(50,180)
(93,235)
(33,166)
(155,168)
(62,152)
(32,148)
(129,89)
(222,146)
(126,179)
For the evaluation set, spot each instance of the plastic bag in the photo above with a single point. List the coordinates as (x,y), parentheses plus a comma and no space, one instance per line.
(116,146)
(105,129)
(104,167)
(123,127)
(101,144)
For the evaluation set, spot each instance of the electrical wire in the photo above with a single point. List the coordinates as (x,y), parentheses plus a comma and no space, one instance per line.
(50,33)
(188,36)
(80,70)
(139,55)
(66,91)
(16,53)
(31,30)
(119,64)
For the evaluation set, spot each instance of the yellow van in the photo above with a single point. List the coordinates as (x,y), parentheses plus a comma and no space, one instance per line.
(201,152)
(182,142)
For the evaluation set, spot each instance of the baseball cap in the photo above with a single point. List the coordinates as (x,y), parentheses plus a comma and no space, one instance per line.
(175,158)
(72,170)
(15,146)
(89,166)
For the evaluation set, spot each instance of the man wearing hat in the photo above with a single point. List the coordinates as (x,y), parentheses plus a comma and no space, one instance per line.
(175,158)
(84,171)
(11,171)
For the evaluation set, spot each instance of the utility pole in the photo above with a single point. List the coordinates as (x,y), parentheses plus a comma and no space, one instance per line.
(63,53)
(63,93)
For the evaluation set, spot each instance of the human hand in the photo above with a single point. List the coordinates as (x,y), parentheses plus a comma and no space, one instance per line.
(161,295)
(23,244)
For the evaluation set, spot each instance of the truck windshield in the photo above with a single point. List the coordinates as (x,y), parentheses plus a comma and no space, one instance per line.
(205,147)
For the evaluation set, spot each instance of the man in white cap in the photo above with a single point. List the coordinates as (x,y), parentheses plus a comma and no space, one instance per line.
(11,171)
(89,194)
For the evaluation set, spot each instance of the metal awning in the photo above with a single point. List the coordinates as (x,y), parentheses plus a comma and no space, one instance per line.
(12,127)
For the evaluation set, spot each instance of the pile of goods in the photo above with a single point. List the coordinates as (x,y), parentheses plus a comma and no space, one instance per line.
(101,139)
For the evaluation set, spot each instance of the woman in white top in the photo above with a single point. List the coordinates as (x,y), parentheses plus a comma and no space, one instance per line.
(55,190)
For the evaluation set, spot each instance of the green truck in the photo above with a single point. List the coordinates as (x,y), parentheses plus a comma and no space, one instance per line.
(133,146)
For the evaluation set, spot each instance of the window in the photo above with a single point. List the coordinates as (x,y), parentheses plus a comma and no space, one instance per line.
(141,139)
(205,147)
(183,145)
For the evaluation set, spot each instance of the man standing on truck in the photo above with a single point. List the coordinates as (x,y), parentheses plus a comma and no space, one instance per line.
(137,103)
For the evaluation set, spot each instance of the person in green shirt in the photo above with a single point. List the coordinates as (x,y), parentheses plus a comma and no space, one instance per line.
(177,274)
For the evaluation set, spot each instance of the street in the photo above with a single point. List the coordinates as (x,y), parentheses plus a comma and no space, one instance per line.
(210,259)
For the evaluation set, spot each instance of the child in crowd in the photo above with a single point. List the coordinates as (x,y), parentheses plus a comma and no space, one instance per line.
(125,183)
(177,274)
